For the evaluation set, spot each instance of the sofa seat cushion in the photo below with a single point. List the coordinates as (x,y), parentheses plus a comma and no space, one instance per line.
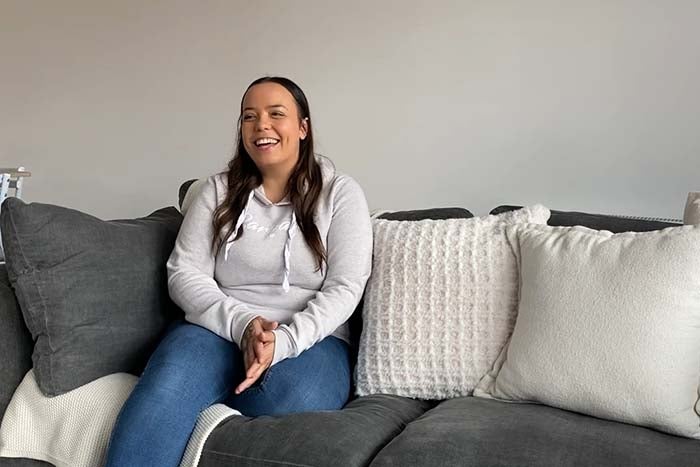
(470,431)
(348,437)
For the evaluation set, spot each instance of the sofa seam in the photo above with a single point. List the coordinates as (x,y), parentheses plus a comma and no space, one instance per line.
(32,271)
(238,456)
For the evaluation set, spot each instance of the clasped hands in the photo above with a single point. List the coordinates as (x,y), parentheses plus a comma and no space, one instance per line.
(258,347)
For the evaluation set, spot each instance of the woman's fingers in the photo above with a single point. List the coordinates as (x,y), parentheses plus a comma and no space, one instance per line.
(267,336)
(244,385)
(256,364)
(268,325)
(252,376)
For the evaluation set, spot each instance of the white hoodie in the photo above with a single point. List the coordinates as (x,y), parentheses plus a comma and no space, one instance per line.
(254,277)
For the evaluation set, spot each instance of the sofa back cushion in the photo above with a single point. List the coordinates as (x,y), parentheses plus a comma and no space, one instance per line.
(93,293)
(611,223)
(15,342)
(439,304)
(608,325)
(355,321)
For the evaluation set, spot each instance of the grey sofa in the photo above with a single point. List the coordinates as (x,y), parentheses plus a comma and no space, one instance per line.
(386,430)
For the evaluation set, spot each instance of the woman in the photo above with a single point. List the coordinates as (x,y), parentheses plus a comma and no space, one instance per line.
(270,262)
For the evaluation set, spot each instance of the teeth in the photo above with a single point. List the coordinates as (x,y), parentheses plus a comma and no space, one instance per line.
(262,141)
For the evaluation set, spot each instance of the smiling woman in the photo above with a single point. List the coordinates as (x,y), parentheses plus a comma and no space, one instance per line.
(266,308)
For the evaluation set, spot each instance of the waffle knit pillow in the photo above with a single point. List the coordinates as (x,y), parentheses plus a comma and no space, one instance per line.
(439,305)
(608,325)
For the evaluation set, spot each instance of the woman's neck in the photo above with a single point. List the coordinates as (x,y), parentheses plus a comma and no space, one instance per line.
(275,187)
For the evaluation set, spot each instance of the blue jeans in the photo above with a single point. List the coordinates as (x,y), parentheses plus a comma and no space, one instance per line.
(193,368)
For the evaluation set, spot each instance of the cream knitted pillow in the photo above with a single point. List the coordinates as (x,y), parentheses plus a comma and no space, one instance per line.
(608,325)
(439,305)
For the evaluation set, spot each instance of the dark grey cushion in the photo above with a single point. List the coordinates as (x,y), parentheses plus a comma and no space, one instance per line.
(615,224)
(20,462)
(15,343)
(348,437)
(471,431)
(433,213)
(93,293)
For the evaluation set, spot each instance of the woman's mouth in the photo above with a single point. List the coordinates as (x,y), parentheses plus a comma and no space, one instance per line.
(265,144)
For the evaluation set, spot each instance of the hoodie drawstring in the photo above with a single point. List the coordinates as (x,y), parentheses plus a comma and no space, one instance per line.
(287,250)
(291,231)
(239,222)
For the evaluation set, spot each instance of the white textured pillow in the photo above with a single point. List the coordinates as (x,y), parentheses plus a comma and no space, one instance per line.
(70,430)
(439,305)
(608,325)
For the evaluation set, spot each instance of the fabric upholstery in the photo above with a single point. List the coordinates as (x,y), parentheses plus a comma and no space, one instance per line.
(615,224)
(439,305)
(470,431)
(349,437)
(93,293)
(15,342)
(608,325)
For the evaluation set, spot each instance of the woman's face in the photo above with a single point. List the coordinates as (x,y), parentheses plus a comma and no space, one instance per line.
(270,126)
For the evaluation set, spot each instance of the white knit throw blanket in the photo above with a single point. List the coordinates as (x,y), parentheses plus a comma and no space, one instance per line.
(73,429)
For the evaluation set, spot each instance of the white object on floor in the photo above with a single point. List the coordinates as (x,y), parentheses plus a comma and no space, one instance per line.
(207,421)
(691,214)
(70,430)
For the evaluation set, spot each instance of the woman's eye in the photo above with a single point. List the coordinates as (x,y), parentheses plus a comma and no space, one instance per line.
(277,114)
(248,117)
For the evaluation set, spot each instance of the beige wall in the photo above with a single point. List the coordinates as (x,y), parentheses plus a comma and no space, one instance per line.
(589,105)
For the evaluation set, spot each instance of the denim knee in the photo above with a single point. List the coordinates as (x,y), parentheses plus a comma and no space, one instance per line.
(318,379)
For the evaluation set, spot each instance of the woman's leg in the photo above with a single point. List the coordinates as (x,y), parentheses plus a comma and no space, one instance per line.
(191,369)
(318,379)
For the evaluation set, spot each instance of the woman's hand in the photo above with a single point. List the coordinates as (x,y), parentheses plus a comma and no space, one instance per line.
(258,346)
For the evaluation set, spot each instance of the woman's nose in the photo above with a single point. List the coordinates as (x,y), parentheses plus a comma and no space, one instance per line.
(263,123)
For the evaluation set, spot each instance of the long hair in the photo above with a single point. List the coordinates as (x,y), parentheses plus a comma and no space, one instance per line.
(303,188)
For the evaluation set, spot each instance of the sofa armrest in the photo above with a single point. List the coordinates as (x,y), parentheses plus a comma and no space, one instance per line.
(15,342)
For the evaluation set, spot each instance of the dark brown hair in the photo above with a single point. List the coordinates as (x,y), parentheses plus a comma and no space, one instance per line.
(304,186)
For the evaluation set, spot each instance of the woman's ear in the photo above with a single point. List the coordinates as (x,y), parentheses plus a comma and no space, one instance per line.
(304,128)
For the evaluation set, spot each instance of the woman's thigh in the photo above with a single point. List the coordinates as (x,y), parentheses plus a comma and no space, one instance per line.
(318,379)
(193,364)
(190,369)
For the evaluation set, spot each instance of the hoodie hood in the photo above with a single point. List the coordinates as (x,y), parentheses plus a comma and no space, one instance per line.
(327,175)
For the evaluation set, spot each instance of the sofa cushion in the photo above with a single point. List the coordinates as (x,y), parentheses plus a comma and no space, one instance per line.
(355,321)
(470,431)
(422,214)
(93,293)
(15,342)
(439,305)
(615,224)
(348,437)
(608,325)
(20,462)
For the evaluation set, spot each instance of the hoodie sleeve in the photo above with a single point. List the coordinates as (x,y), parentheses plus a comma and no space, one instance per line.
(191,268)
(349,252)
